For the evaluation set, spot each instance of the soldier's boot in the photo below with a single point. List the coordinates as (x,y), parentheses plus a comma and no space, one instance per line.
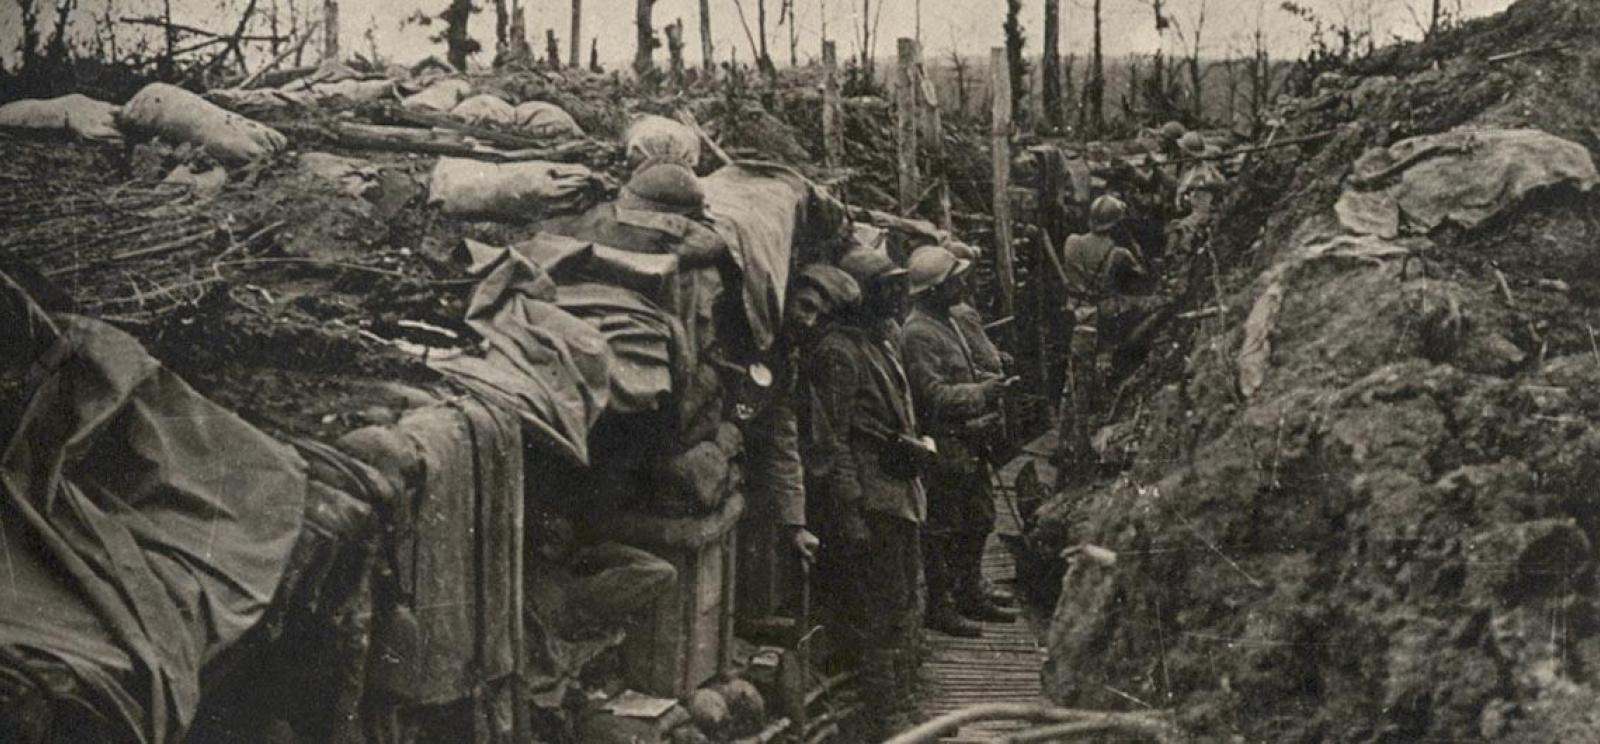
(884,709)
(909,685)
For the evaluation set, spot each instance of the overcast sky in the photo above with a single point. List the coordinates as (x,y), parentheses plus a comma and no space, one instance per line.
(970,26)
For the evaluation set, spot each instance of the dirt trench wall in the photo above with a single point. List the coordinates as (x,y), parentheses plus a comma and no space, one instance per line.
(1386,532)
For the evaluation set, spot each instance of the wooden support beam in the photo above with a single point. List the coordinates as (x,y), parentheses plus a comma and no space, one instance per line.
(832,122)
(907,97)
(1000,143)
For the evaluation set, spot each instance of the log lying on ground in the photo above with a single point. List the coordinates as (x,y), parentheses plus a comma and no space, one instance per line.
(422,141)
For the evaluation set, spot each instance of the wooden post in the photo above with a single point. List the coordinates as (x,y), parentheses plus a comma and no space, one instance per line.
(1000,143)
(574,56)
(933,131)
(330,31)
(832,123)
(906,97)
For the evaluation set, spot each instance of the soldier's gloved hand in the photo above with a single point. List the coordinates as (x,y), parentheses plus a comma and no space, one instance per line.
(853,527)
(804,542)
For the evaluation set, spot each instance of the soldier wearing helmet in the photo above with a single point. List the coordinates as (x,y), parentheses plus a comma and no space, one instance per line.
(957,403)
(1103,284)
(863,458)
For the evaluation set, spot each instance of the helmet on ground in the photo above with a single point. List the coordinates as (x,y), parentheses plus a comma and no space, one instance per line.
(930,265)
(1106,212)
(867,266)
(1192,143)
(1172,131)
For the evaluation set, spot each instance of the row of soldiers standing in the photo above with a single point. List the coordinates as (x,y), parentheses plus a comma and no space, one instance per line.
(890,391)
(892,388)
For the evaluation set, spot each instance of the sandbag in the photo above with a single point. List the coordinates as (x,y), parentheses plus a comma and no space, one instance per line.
(177,116)
(652,137)
(510,191)
(442,95)
(543,119)
(485,109)
(76,113)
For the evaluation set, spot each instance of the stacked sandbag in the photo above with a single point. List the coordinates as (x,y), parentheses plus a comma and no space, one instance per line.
(485,109)
(178,116)
(441,95)
(699,479)
(76,113)
(651,137)
(516,192)
(544,119)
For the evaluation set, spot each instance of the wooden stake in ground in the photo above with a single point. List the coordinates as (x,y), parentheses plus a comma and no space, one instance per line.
(832,122)
(906,98)
(330,31)
(1000,143)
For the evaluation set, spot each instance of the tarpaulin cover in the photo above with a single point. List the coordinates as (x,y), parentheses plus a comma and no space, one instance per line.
(457,543)
(540,361)
(646,343)
(758,209)
(571,260)
(75,113)
(1461,177)
(145,530)
(522,191)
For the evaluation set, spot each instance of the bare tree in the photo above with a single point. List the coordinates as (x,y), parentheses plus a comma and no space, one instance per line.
(1094,90)
(552,49)
(502,26)
(868,36)
(645,37)
(758,49)
(1051,65)
(1015,40)
(1193,46)
(959,64)
(458,43)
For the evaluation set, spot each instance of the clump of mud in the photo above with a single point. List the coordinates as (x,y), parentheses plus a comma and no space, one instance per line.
(1392,538)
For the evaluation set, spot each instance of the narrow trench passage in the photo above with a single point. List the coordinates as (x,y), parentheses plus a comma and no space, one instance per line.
(1001,667)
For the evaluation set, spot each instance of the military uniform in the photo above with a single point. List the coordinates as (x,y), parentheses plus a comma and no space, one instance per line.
(858,405)
(946,381)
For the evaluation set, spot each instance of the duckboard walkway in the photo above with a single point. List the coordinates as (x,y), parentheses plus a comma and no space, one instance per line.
(1003,666)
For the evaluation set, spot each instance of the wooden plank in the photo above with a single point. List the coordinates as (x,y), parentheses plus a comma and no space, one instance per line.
(832,123)
(1000,144)
(906,101)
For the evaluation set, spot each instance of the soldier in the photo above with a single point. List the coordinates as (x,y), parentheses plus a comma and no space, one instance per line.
(1103,284)
(863,457)
(956,399)
(1194,193)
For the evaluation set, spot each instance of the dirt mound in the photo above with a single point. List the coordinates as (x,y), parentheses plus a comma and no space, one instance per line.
(1365,508)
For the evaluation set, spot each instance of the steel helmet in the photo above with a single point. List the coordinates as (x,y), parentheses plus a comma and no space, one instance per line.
(836,287)
(866,266)
(1172,131)
(1192,143)
(930,265)
(1106,212)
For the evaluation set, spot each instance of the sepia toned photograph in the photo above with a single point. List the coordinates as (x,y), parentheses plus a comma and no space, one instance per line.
(799,371)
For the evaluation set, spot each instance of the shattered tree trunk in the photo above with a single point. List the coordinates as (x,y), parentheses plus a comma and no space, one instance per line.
(458,43)
(708,58)
(1014,61)
(832,122)
(575,56)
(330,31)
(675,49)
(552,49)
(502,27)
(1000,145)
(906,97)
(1095,91)
(1052,65)
(645,37)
